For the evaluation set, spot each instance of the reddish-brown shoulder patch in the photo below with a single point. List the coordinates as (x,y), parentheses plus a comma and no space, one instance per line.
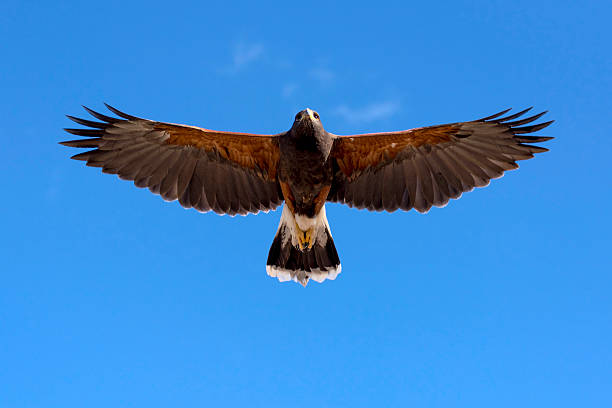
(256,152)
(358,152)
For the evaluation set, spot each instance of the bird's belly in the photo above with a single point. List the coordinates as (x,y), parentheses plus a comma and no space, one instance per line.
(308,176)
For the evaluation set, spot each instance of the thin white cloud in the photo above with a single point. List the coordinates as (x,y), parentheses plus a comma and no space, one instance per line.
(323,75)
(245,54)
(289,89)
(369,113)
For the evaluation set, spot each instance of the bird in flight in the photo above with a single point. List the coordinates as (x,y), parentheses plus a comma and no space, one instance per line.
(306,166)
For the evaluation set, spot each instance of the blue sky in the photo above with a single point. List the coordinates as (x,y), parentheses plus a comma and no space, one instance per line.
(112,297)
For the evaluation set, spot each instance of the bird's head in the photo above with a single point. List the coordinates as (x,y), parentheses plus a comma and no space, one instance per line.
(307,120)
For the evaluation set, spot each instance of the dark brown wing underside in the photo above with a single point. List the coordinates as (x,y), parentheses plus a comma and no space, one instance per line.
(426,167)
(229,173)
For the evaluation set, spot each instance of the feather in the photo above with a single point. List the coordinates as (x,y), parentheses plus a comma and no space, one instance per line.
(514,116)
(493,116)
(526,120)
(391,185)
(90,123)
(82,143)
(119,113)
(100,116)
(410,181)
(425,195)
(186,173)
(85,132)
(532,128)
(532,139)
(461,172)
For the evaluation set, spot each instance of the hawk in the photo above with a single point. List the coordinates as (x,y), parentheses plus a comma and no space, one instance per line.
(305,167)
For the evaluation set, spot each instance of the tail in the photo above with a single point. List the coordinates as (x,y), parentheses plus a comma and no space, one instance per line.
(287,262)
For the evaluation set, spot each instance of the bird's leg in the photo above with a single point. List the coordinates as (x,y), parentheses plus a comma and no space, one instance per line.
(305,238)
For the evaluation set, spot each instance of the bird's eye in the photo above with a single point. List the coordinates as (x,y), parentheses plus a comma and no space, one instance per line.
(316,115)
(297,117)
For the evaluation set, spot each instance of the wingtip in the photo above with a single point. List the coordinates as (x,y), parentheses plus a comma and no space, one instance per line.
(81,156)
(119,113)
(543,125)
(513,116)
(75,119)
(495,115)
(89,110)
(110,108)
(545,138)
(97,115)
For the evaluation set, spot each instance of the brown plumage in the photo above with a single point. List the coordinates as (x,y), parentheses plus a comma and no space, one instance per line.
(255,152)
(239,173)
(423,167)
(229,173)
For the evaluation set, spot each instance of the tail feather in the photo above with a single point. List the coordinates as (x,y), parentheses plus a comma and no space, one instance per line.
(287,262)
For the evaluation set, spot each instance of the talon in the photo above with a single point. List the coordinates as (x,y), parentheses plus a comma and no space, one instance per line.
(305,238)
(309,237)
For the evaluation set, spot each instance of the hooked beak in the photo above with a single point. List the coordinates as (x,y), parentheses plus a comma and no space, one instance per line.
(307,115)
(310,115)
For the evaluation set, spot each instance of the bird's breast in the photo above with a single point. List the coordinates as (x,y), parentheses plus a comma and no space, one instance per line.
(305,171)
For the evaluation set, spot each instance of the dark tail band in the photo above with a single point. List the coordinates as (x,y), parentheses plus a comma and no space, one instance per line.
(287,262)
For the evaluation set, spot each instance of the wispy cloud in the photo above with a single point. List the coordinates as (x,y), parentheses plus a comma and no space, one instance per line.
(369,113)
(322,75)
(245,54)
(289,89)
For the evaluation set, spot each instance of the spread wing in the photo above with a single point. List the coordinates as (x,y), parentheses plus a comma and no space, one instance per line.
(422,167)
(229,173)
